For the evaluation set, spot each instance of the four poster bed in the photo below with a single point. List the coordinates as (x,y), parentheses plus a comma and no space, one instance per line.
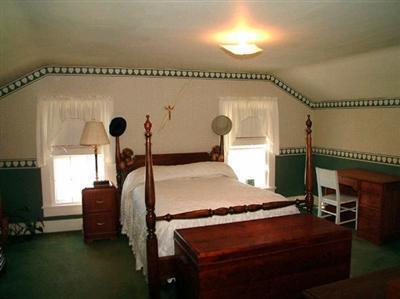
(192,190)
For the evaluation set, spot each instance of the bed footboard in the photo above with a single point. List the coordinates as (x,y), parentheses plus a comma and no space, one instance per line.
(162,268)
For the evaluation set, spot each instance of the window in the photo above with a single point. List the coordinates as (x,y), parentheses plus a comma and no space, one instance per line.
(253,140)
(250,164)
(72,173)
(66,166)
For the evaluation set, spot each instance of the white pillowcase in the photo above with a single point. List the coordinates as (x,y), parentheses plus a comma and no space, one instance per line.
(193,170)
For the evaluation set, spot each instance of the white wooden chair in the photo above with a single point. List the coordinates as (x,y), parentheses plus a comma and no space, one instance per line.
(329,179)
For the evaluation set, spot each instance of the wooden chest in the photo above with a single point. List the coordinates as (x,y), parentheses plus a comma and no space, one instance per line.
(268,258)
(100,213)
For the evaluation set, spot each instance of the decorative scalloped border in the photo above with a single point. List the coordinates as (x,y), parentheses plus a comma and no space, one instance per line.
(289,151)
(388,103)
(118,71)
(292,151)
(18,163)
(360,156)
(344,154)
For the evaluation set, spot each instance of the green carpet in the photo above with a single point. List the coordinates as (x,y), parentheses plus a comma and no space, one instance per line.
(61,265)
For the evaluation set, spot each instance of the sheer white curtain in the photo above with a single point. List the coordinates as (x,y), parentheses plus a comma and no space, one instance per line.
(53,112)
(255,121)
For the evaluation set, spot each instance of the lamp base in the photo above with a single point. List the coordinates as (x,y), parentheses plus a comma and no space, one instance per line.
(101,183)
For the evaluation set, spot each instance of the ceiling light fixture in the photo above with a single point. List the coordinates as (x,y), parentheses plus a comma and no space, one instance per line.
(241,40)
(242,49)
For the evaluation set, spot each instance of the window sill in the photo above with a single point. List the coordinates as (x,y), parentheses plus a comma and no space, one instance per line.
(62,210)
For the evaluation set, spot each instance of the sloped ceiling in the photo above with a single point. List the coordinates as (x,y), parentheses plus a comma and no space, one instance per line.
(318,47)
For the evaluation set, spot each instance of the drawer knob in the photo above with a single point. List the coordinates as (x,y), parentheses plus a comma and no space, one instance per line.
(99,201)
(100,223)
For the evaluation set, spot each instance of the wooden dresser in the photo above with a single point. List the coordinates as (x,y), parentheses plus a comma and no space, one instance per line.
(267,258)
(100,213)
(379,203)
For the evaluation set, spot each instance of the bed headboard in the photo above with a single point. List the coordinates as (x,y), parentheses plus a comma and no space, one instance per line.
(126,161)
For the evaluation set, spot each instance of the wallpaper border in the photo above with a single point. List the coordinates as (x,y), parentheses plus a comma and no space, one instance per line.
(17,163)
(344,154)
(43,71)
(288,151)
(138,72)
(360,156)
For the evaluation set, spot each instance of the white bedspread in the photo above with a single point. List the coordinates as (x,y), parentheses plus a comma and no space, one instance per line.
(206,185)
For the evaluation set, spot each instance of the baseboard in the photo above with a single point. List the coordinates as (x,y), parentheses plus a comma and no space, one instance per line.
(63,225)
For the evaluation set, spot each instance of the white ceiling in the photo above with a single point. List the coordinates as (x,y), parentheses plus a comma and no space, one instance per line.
(177,34)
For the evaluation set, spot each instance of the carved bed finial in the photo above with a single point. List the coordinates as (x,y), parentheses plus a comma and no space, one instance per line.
(308,124)
(148,125)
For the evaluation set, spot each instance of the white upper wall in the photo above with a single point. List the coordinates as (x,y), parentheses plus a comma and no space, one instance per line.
(134,97)
(369,75)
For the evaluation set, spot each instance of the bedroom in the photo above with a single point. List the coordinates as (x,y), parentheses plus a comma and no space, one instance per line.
(325,52)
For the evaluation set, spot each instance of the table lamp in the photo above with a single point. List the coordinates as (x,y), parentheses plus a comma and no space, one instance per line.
(94,135)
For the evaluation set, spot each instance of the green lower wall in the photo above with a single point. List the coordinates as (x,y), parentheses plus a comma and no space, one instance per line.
(289,174)
(21,192)
(20,188)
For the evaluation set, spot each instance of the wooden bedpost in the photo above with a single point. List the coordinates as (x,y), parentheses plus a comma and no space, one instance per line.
(151,242)
(309,199)
(118,163)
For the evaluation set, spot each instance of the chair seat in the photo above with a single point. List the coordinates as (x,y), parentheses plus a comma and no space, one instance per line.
(331,199)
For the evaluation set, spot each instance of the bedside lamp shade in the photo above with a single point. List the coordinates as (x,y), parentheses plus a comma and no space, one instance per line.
(94,134)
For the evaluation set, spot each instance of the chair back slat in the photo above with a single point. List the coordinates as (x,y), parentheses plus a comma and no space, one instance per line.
(327,178)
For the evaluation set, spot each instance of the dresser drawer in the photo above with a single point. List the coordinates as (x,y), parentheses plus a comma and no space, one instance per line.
(92,205)
(99,223)
(372,188)
(370,200)
(98,200)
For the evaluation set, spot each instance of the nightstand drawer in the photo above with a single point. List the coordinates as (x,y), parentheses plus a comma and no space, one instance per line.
(98,199)
(100,213)
(96,203)
(99,223)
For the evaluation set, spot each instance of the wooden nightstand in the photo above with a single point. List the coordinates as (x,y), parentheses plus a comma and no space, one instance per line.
(100,213)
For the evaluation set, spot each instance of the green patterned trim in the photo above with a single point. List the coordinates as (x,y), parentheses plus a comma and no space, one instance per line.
(345,154)
(360,156)
(291,151)
(123,72)
(388,103)
(18,163)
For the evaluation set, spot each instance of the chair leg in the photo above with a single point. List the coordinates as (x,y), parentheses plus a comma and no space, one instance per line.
(319,207)
(356,225)
(337,219)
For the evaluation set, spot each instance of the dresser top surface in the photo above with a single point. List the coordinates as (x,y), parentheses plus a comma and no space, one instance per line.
(370,176)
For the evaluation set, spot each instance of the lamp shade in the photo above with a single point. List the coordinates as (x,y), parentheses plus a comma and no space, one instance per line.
(94,134)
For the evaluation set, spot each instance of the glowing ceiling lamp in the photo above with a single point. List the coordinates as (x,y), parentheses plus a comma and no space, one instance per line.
(241,40)
(242,49)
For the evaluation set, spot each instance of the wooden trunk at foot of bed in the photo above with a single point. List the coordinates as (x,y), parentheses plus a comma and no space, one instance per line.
(164,267)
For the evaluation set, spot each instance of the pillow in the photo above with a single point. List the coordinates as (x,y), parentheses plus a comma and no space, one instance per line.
(193,170)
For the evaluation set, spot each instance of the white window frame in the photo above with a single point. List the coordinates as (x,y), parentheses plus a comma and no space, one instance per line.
(269,161)
(50,207)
